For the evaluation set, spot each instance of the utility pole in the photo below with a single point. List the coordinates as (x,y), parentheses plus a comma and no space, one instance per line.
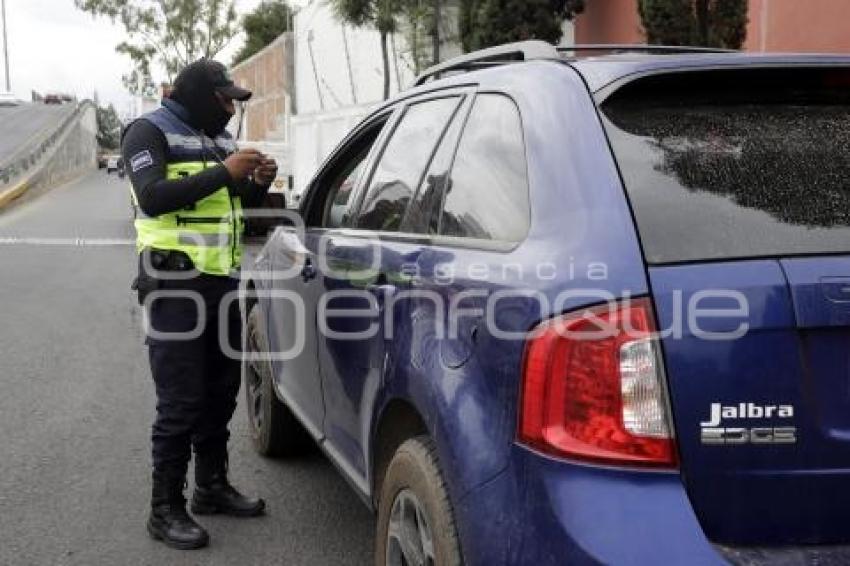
(6,46)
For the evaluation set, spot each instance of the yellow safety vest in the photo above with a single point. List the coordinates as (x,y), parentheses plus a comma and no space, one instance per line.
(210,232)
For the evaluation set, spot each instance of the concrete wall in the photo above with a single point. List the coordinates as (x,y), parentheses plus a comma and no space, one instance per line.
(314,137)
(338,66)
(269,74)
(74,154)
(774,25)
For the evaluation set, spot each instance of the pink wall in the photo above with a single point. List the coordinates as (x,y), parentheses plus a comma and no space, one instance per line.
(609,21)
(792,25)
(775,25)
(269,76)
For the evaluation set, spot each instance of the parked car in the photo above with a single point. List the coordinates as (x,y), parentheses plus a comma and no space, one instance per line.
(112,163)
(9,99)
(568,310)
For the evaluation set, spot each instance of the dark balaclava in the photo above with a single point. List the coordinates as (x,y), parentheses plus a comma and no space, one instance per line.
(195,88)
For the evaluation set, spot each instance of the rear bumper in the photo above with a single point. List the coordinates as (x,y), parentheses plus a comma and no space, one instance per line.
(788,556)
(544,511)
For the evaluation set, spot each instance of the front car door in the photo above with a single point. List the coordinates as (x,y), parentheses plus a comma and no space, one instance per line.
(299,274)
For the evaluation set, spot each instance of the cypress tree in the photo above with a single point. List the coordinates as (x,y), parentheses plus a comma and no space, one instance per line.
(491,22)
(706,23)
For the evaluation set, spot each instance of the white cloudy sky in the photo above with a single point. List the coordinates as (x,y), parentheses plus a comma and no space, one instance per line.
(55,47)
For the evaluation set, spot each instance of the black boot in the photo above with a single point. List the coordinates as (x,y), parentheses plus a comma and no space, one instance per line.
(169,521)
(214,494)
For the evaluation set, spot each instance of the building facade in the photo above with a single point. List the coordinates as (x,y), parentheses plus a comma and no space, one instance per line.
(270,75)
(813,26)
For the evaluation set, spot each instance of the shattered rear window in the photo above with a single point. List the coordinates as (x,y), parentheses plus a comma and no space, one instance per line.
(734,164)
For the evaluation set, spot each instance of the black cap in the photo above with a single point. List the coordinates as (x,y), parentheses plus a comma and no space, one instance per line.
(216,76)
(224,84)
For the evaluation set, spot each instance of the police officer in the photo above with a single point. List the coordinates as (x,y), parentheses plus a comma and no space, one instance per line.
(190,185)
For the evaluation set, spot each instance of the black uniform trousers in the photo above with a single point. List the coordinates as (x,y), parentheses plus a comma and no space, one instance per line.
(196,380)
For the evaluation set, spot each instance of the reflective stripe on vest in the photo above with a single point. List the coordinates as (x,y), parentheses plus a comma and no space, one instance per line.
(195,143)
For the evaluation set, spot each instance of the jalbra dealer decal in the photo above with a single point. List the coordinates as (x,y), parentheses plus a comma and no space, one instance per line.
(723,427)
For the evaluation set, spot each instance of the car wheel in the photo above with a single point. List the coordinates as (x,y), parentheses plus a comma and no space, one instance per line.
(275,431)
(415,520)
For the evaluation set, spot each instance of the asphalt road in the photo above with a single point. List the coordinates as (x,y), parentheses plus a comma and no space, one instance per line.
(76,403)
(21,124)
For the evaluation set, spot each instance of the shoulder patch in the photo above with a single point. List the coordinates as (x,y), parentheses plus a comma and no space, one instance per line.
(141,160)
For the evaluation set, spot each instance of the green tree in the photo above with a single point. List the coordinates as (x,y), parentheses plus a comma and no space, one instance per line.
(484,23)
(170,33)
(380,14)
(263,25)
(428,25)
(417,16)
(108,127)
(707,23)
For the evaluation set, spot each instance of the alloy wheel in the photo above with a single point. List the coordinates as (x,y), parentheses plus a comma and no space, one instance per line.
(256,374)
(410,541)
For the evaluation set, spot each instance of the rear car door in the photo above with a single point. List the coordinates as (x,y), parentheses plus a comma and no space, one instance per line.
(739,184)
(475,204)
(369,265)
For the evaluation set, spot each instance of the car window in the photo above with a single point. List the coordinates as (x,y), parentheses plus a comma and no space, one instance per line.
(423,215)
(735,164)
(339,199)
(343,176)
(403,163)
(487,194)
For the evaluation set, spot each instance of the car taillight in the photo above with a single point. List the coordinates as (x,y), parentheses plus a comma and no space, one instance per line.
(593,388)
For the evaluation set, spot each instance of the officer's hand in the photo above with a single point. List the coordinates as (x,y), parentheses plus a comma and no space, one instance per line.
(266,173)
(241,164)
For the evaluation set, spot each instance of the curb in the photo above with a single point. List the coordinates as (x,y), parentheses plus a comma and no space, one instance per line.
(9,195)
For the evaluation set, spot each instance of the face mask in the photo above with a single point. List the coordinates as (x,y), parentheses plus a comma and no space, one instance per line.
(214,119)
(195,94)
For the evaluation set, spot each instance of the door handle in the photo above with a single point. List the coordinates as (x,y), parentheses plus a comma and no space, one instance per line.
(309,270)
(381,286)
(385,289)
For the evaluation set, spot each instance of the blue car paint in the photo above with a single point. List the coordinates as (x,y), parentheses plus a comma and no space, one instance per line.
(304,396)
(544,511)
(470,410)
(475,404)
(513,505)
(353,371)
(736,490)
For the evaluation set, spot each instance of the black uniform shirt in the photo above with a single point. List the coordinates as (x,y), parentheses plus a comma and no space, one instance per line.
(157,195)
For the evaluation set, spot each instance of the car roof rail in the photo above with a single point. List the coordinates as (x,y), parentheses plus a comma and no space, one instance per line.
(499,55)
(642,48)
(536,49)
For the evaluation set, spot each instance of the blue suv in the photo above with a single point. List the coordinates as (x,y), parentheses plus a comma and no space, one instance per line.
(545,308)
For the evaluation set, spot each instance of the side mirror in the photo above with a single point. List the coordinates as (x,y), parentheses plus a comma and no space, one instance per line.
(262,221)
